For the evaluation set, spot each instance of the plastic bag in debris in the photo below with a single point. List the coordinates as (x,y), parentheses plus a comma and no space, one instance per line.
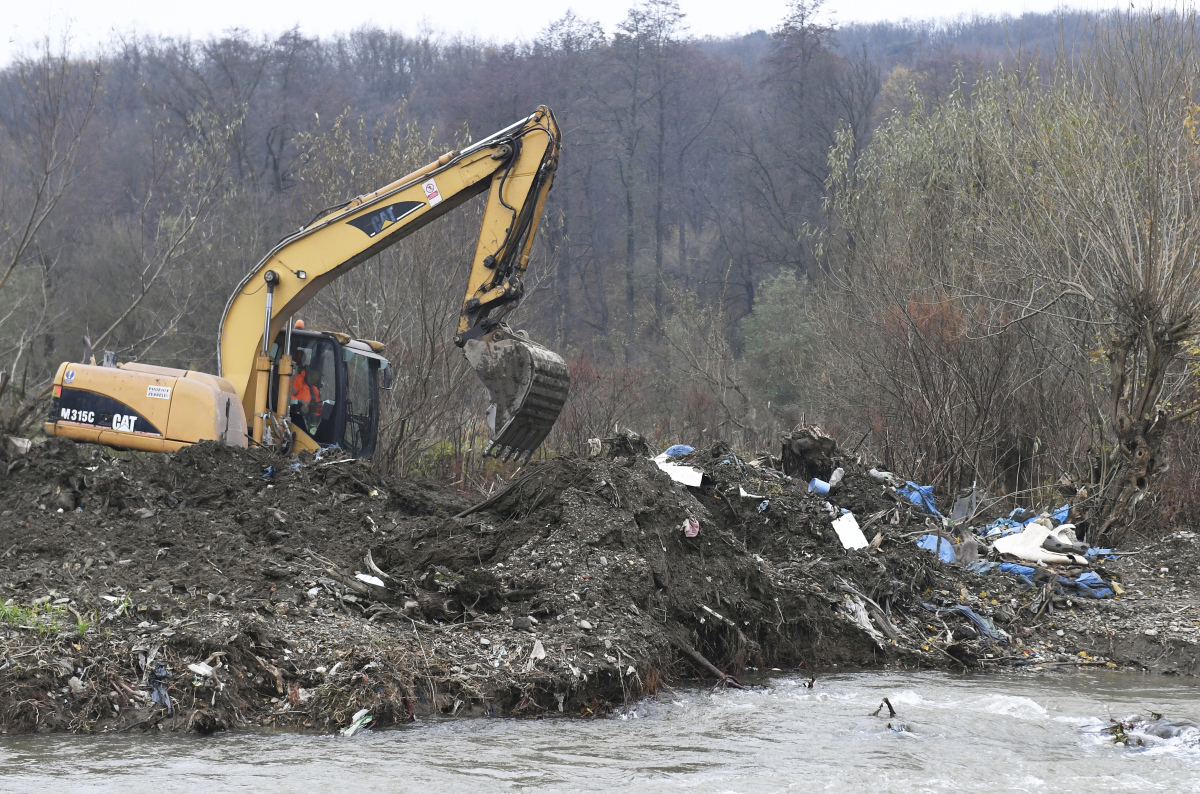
(1062,514)
(691,527)
(1002,527)
(158,686)
(1090,585)
(984,624)
(939,546)
(1022,572)
(883,477)
(360,720)
(965,507)
(678,449)
(1094,552)
(921,496)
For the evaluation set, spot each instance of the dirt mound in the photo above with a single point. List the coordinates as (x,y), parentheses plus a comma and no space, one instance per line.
(241,587)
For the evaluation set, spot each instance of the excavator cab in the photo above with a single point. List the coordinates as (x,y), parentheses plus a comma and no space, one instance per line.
(333,397)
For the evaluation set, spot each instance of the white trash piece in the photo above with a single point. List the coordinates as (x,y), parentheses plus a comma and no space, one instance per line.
(360,720)
(1027,544)
(201,669)
(836,477)
(848,532)
(688,475)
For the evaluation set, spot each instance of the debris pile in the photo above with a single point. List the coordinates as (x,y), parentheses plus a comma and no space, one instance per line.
(216,587)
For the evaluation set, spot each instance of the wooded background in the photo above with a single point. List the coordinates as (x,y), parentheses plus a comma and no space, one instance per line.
(967,249)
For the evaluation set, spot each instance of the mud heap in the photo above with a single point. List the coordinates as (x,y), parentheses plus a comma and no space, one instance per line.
(215,588)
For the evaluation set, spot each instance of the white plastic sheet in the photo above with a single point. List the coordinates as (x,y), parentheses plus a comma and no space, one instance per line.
(848,532)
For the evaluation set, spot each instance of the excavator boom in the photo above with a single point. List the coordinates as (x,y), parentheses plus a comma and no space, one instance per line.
(515,166)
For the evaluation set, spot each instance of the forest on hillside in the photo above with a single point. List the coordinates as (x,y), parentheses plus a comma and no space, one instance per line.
(811,223)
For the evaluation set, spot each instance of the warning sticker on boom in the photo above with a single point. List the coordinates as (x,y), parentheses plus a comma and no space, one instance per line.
(432,193)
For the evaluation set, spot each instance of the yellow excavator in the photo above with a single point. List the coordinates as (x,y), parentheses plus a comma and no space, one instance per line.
(291,389)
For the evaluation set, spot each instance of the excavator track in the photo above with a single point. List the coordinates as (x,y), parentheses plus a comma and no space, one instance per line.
(528,385)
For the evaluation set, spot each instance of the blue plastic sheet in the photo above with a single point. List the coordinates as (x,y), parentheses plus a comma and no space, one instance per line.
(1097,552)
(1020,570)
(944,550)
(1062,514)
(1001,527)
(920,495)
(1087,584)
(984,567)
(678,449)
(1091,585)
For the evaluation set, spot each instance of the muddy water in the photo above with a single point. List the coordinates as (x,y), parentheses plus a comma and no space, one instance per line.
(960,734)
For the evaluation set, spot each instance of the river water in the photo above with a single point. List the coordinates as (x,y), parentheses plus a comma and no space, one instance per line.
(959,734)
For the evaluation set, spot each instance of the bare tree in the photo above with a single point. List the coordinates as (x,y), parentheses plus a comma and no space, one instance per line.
(51,102)
(1060,212)
(157,264)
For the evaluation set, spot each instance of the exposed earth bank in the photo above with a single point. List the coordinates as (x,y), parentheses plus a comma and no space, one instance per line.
(217,588)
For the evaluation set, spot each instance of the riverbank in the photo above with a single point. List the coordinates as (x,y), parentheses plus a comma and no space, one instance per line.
(217,588)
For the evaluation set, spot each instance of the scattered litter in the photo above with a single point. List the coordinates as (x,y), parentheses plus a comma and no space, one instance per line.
(921,496)
(849,533)
(375,580)
(966,506)
(678,449)
(688,475)
(1028,544)
(16,446)
(691,527)
(201,669)
(883,477)
(940,546)
(158,686)
(360,720)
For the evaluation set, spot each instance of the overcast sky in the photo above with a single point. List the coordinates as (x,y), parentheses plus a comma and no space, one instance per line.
(89,23)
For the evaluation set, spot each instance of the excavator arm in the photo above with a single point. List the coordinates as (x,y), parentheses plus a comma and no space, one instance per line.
(515,166)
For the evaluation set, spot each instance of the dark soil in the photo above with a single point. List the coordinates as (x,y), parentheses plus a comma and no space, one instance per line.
(574,590)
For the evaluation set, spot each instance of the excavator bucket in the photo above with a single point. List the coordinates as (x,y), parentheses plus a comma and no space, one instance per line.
(528,385)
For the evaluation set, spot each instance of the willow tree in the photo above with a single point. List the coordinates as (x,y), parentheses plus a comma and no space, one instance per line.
(1070,203)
